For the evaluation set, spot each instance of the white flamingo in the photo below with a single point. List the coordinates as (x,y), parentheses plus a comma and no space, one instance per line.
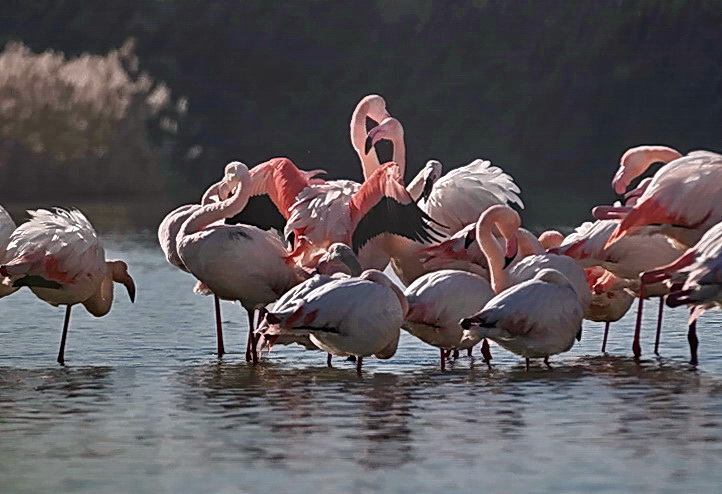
(536,318)
(350,316)
(236,262)
(438,301)
(167,233)
(60,257)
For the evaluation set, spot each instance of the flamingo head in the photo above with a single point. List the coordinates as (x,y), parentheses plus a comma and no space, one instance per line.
(431,173)
(389,129)
(636,160)
(339,258)
(234,172)
(119,271)
(551,239)
(374,107)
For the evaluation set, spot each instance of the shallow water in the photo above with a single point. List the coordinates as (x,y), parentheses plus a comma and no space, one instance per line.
(144,406)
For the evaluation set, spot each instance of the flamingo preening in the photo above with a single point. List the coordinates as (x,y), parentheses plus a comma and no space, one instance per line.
(58,255)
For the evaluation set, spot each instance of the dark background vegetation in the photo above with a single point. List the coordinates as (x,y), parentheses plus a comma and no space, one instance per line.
(552,91)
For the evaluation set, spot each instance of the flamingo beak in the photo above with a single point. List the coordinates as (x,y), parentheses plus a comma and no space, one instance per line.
(469,239)
(130,286)
(369,144)
(512,248)
(579,334)
(428,187)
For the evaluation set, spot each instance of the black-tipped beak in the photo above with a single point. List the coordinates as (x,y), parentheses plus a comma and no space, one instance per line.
(369,144)
(130,286)
(508,260)
(579,334)
(465,323)
(469,239)
(428,188)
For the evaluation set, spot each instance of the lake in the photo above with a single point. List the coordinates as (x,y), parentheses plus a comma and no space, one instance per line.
(143,405)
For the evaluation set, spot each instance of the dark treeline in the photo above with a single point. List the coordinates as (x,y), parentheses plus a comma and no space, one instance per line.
(554,92)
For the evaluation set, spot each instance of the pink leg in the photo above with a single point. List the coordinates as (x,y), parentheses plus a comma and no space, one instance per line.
(604,341)
(443,358)
(659,325)
(636,347)
(219,327)
(61,352)
(693,342)
(358,364)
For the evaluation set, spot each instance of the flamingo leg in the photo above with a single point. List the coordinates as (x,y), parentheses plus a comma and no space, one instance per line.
(606,333)
(546,361)
(443,358)
(659,325)
(468,351)
(455,353)
(328,360)
(251,353)
(636,347)
(61,352)
(219,326)
(527,365)
(486,352)
(358,364)
(693,342)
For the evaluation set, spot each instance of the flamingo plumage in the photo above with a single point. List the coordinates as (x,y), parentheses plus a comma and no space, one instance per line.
(7,226)
(58,255)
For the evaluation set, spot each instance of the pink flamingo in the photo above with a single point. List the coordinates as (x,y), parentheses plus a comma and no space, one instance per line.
(679,202)
(167,233)
(341,325)
(610,299)
(60,257)
(626,259)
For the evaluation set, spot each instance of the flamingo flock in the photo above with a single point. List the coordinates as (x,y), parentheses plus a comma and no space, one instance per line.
(473,274)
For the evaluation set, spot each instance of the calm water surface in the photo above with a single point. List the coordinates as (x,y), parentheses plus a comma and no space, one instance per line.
(144,406)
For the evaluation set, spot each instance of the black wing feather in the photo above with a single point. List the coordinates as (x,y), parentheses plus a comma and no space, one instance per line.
(390,216)
(261,212)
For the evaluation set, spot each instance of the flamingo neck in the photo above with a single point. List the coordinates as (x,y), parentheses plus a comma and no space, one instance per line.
(370,161)
(213,193)
(210,213)
(416,186)
(99,302)
(399,155)
(494,256)
(637,160)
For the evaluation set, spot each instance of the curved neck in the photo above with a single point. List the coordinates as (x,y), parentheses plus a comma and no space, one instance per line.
(210,213)
(402,298)
(99,303)
(213,193)
(494,256)
(370,161)
(416,186)
(399,155)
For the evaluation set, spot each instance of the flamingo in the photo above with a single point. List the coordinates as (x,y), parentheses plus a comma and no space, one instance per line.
(337,263)
(350,316)
(696,271)
(236,262)
(7,226)
(680,201)
(59,256)
(536,318)
(438,301)
(626,259)
(167,233)
(610,299)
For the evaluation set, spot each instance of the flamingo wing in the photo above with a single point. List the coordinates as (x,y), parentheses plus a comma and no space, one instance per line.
(383,205)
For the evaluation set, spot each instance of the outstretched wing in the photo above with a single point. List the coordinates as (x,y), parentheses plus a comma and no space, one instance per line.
(382,205)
